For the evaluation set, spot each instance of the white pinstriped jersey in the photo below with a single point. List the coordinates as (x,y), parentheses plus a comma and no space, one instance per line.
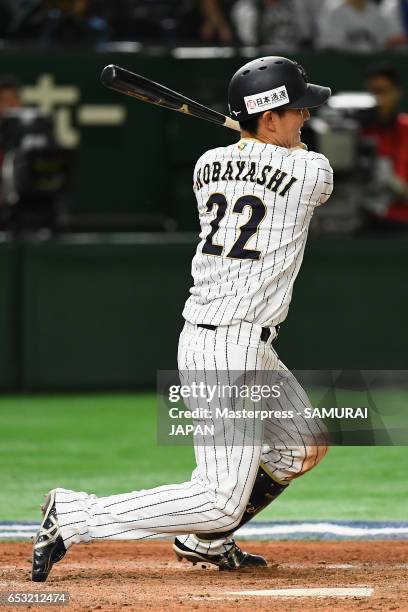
(255,203)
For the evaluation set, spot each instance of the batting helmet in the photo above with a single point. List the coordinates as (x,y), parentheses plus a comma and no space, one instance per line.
(271,82)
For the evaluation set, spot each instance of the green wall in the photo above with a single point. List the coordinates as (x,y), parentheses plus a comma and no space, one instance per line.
(97,312)
(146,163)
(349,306)
(9,316)
(101,314)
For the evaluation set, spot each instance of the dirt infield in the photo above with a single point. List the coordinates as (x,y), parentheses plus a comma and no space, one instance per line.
(146,576)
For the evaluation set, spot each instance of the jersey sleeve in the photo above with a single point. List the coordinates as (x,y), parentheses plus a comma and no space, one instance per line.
(319,174)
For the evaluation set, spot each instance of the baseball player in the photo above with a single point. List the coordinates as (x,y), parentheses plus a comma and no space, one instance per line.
(255,199)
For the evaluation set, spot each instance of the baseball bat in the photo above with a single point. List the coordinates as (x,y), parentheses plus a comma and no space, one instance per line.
(137,86)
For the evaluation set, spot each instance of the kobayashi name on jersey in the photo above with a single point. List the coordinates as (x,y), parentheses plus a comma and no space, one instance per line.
(274,179)
(336,413)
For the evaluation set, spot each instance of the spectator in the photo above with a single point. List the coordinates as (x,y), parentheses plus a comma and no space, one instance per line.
(9,99)
(276,23)
(215,27)
(354,25)
(389,128)
(310,19)
(9,93)
(73,23)
(25,17)
(396,12)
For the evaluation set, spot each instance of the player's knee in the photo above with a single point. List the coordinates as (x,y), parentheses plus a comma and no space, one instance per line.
(229,516)
(309,457)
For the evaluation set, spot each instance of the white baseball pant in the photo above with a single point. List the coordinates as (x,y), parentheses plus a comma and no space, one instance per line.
(216,496)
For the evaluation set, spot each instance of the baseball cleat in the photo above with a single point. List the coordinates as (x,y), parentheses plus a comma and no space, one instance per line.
(233,559)
(48,543)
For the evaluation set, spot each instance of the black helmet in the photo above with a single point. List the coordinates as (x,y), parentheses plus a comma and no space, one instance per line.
(271,82)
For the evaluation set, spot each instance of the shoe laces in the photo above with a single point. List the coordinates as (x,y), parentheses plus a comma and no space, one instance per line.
(49,531)
(235,554)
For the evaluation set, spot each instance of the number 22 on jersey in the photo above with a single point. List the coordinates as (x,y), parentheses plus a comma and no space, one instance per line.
(246,231)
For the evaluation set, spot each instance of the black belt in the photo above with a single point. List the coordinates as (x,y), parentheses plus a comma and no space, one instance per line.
(266,332)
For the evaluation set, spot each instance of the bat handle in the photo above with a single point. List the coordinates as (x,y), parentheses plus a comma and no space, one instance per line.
(232,124)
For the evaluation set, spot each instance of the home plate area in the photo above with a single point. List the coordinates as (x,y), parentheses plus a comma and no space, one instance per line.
(340,575)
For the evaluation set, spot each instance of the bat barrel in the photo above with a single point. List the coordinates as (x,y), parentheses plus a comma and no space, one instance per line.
(137,86)
(108,75)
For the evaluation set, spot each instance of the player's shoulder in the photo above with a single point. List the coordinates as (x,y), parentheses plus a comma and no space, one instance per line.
(210,155)
(312,160)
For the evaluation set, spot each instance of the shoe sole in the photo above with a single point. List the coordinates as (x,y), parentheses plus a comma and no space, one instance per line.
(192,556)
(195,557)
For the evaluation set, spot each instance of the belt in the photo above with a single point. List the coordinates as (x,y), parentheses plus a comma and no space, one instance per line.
(266,332)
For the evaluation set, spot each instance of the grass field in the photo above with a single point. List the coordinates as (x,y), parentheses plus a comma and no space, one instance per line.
(107,444)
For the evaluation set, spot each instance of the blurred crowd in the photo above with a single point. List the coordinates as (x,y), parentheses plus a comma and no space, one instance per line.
(380,130)
(285,25)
